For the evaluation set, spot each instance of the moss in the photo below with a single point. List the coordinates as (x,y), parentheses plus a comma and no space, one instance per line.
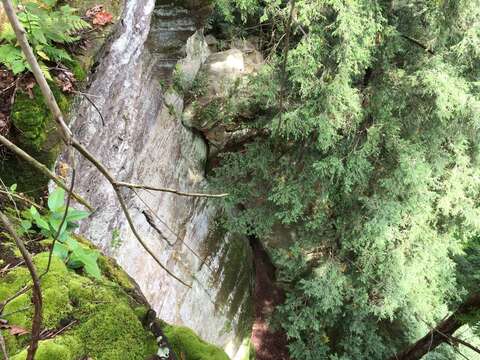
(33,119)
(189,346)
(107,326)
(113,272)
(35,133)
(47,350)
(78,71)
(115,332)
(107,318)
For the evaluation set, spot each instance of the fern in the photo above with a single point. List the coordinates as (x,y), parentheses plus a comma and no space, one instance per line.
(46,29)
(12,57)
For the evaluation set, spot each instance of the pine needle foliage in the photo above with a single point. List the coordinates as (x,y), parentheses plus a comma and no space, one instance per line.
(47,28)
(372,165)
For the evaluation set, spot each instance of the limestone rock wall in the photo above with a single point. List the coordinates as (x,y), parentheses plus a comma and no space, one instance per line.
(144,141)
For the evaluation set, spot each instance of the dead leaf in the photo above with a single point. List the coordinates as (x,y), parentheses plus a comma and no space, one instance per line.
(29,86)
(90,13)
(102,18)
(17,330)
(63,169)
(65,80)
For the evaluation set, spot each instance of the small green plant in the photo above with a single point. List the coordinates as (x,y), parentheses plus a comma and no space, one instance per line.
(46,28)
(67,248)
(116,239)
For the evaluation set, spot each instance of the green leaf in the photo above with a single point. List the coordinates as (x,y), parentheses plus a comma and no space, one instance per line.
(91,268)
(55,224)
(60,250)
(88,259)
(56,200)
(13,188)
(25,224)
(72,244)
(39,220)
(18,67)
(39,36)
(75,215)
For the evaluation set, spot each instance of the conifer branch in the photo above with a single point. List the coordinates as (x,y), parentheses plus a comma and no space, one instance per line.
(283,69)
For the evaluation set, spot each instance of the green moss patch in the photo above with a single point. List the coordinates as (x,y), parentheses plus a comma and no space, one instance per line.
(107,316)
(189,346)
(32,118)
(107,320)
(35,133)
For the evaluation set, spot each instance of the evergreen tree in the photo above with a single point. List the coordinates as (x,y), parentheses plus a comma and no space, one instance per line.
(372,163)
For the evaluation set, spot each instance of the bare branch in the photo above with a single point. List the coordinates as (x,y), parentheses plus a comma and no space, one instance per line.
(464,343)
(100,167)
(67,134)
(22,198)
(37,294)
(168,190)
(418,43)
(43,169)
(3,347)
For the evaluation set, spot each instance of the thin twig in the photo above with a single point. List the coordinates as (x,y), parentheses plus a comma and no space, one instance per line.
(464,343)
(14,296)
(168,190)
(3,346)
(93,104)
(66,133)
(169,229)
(64,218)
(24,199)
(100,167)
(37,293)
(43,169)
(25,308)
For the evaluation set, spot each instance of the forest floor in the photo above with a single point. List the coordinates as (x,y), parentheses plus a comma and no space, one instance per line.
(268,344)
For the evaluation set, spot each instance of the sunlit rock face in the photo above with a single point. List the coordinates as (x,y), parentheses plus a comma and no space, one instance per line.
(143,140)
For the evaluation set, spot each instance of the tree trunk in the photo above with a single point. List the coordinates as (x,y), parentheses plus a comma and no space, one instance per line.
(442,332)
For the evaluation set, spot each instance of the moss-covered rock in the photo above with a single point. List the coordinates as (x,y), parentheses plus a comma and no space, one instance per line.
(104,317)
(34,132)
(189,346)
(107,323)
(32,118)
